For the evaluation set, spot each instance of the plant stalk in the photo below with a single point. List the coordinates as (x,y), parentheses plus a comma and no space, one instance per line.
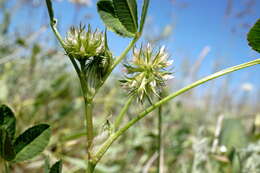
(89,127)
(90,167)
(118,133)
(123,55)
(122,112)
(7,167)
(53,24)
(159,142)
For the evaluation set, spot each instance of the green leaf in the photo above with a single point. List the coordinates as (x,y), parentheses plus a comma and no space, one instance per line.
(6,147)
(7,120)
(144,14)
(57,167)
(126,11)
(233,134)
(32,142)
(253,36)
(107,14)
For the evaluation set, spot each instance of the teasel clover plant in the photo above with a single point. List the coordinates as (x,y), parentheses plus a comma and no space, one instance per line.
(146,73)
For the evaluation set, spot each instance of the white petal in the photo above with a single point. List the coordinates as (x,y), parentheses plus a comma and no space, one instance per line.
(168,63)
(168,77)
(163,57)
(149,48)
(162,49)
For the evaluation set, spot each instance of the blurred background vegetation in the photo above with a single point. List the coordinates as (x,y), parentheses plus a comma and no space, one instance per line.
(215,128)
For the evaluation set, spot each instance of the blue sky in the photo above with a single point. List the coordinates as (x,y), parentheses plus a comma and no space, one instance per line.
(196,24)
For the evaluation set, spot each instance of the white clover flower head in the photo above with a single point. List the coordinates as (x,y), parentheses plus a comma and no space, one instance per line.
(147,72)
(82,44)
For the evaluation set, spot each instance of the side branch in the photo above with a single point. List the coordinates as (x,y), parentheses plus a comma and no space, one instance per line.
(53,24)
(114,136)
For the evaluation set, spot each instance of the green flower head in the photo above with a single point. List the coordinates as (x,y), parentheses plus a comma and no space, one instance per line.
(82,44)
(147,73)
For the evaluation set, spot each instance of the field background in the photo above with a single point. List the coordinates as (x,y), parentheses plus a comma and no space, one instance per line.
(38,82)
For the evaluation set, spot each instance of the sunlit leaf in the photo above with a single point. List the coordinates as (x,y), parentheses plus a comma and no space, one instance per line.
(126,11)
(107,13)
(144,14)
(253,36)
(7,120)
(32,142)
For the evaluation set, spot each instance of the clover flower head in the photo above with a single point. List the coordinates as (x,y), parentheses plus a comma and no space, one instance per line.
(82,44)
(147,72)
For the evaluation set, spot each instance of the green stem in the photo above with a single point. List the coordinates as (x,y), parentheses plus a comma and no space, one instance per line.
(90,167)
(114,136)
(89,127)
(123,55)
(159,138)
(7,167)
(53,24)
(122,112)
(88,100)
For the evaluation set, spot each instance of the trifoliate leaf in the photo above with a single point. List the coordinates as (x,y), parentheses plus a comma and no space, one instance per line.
(107,13)
(126,11)
(32,142)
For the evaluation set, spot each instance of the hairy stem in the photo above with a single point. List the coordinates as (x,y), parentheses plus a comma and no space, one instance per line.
(53,24)
(121,115)
(114,136)
(159,142)
(90,167)
(89,126)
(7,167)
(123,55)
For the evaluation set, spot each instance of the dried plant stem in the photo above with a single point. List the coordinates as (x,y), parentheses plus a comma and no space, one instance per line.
(122,130)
